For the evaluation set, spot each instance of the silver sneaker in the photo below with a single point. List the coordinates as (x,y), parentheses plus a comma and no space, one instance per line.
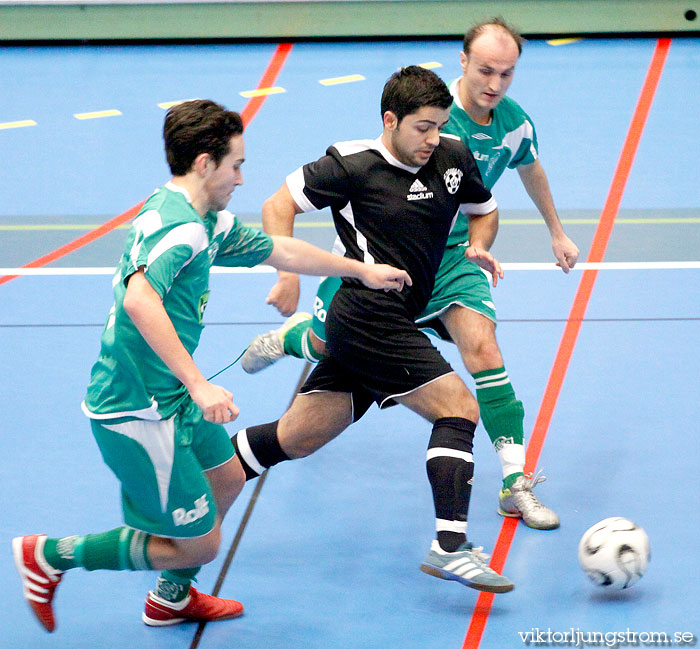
(520,502)
(467,565)
(268,348)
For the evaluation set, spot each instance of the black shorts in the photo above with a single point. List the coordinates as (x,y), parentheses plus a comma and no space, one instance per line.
(377,352)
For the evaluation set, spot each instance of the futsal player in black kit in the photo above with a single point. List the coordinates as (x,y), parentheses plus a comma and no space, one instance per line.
(393,200)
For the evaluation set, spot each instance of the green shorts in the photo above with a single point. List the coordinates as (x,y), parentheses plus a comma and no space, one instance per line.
(327,288)
(161,466)
(458,282)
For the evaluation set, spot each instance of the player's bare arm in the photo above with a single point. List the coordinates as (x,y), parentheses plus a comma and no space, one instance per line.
(278,214)
(301,257)
(535,181)
(482,233)
(145,308)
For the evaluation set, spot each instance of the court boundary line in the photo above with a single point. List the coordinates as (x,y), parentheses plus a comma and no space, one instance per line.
(482,608)
(249,111)
(263,269)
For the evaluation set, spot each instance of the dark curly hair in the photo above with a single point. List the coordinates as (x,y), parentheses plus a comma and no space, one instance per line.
(198,126)
(411,88)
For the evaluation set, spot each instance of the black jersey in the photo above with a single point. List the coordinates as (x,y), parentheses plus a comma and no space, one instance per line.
(387,212)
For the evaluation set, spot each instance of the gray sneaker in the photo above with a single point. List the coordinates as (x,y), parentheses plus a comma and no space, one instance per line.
(520,502)
(268,348)
(467,566)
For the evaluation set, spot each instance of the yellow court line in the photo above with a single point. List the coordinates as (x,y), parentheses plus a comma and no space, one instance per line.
(98,114)
(563,41)
(261,92)
(430,65)
(334,81)
(20,124)
(169,104)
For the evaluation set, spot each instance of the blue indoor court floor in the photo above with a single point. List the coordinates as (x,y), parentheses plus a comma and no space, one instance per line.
(325,555)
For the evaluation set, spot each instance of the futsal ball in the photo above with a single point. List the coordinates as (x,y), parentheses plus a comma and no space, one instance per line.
(614,553)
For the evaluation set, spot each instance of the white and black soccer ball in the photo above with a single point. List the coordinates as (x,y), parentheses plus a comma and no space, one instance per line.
(614,553)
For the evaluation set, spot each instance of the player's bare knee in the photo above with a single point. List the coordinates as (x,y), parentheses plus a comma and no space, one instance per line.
(319,346)
(490,354)
(300,441)
(227,480)
(209,547)
(199,551)
(312,421)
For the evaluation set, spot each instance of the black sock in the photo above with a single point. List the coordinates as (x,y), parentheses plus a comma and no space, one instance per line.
(450,470)
(258,448)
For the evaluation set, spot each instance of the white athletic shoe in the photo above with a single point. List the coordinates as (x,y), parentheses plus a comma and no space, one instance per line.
(268,348)
(467,565)
(520,502)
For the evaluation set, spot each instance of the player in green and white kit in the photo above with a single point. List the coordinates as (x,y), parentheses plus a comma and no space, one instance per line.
(501,136)
(157,420)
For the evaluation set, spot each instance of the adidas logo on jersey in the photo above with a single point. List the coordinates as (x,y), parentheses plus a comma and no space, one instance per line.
(418,191)
(417,186)
(481,136)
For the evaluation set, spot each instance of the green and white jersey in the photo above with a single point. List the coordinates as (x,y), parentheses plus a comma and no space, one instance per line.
(177,248)
(507,142)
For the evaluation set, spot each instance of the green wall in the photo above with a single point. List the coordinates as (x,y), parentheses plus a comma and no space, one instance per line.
(296,20)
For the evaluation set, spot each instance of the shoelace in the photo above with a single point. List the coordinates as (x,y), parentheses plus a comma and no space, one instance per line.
(270,344)
(480,555)
(533,481)
(536,479)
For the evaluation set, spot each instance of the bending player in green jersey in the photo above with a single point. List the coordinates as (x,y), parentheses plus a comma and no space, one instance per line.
(501,136)
(157,420)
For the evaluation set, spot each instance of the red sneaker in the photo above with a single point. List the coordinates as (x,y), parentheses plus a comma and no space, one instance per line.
(39,579)
(196,607)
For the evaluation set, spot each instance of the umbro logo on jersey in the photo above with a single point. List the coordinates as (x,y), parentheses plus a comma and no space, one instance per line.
(418,191)
(481,136)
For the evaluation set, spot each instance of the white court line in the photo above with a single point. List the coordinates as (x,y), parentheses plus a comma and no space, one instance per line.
(605,265)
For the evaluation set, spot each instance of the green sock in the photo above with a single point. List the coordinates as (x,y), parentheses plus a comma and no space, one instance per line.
(298,344)
(120,549)
(174,585)
(502,415)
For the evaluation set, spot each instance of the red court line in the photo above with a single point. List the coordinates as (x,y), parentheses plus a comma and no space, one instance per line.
(268,78)
(79,242)
(249,111)
(573,325)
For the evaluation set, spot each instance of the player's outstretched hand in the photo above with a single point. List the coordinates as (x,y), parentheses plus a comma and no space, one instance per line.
(216,402)
(566,252)
(284,295)
(383,276)
(486,260)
